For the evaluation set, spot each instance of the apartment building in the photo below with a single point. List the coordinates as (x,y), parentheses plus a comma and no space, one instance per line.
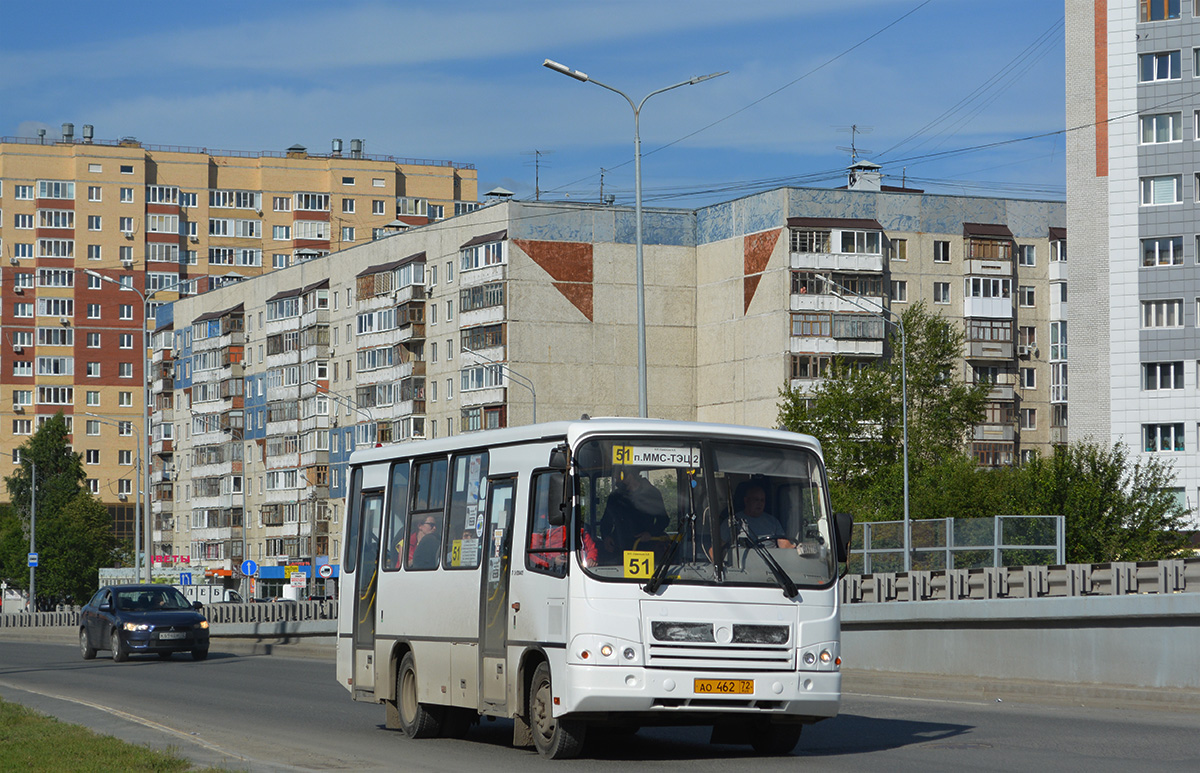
(1132,192)
(524,311)
(156,223)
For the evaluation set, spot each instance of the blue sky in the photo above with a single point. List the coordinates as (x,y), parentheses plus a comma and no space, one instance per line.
(464,81)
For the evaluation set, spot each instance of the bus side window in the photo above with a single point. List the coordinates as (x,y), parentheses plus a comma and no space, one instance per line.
(547,547)
(462,546)
(397,517)
(350,561)
(425,521)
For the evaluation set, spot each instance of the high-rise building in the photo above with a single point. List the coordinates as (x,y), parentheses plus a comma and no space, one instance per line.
(525,311)
(167,222)
(1132,188)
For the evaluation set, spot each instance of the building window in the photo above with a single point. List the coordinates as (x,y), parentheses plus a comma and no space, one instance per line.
(93,252)
(1158,376)
(941,292)
(125,369)
(992,454)
(810,241)
(1160,66)
(126,311)
(899,291)
(1161,190)
(127,195)
(281,233)
(93,370)
(347,233)
(348,206)
(1158,10)
(1026,255)
(377,206)
(1163,437)
(1025,295)
(1029,418)
(92,456)
(94,193)
(941,252)
(1161,127)
(1167,313)
(1028,378)
(862,242)
(24,222)
(1164,251)
(125,399)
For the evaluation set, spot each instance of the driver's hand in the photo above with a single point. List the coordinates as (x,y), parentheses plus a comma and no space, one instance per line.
(786,543)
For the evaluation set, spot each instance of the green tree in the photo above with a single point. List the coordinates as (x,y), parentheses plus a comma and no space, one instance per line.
(1116,508)
(857,413)
(74,532)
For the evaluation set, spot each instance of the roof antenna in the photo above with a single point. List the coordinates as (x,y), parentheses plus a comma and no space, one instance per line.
(854,130)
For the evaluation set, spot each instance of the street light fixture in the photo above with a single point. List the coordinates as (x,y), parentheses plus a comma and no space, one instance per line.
(518,378)
(637,177)
(147,538)
(898,321)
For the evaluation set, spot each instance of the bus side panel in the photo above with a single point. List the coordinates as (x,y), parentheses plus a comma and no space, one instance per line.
(433,671)
(464,675)
(345,624)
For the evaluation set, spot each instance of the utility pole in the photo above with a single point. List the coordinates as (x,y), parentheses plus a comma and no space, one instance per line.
(32,535)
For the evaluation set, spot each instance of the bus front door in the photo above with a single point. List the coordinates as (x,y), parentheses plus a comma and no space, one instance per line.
(367,581)
(493,607)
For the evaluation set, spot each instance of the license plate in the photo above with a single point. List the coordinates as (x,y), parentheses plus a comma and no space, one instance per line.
(724,686)
(172,635)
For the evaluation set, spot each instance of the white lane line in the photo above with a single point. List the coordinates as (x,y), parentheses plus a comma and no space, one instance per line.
(912,698)
(131,718)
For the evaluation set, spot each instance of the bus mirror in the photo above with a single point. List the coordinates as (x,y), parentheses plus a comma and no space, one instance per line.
(558,457)
(556,506)
(844,526)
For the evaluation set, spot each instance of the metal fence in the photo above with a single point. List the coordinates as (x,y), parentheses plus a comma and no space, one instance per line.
(940,544)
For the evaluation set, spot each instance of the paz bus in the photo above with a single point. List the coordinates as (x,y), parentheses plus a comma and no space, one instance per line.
(595,573)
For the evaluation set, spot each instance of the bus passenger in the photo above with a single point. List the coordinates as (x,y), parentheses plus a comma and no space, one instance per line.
(634,511)
(423,544)
(555,537)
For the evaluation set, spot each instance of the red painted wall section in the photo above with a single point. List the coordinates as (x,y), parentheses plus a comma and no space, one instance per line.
(757,252)
(569,264)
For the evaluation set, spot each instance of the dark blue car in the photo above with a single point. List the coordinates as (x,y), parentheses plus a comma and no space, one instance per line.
(128,619)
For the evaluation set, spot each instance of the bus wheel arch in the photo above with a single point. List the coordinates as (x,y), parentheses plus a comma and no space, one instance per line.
(417,720)
(530,660)
(392,702)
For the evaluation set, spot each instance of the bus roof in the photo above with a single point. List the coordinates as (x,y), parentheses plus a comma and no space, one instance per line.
(572,431)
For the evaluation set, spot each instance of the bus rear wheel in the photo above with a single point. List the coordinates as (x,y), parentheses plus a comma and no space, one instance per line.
(418,720)
(554,738)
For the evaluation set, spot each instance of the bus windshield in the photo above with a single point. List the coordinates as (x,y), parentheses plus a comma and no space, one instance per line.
(703,511)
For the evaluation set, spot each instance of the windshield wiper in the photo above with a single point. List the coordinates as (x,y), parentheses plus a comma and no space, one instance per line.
(785,582)
(660,572)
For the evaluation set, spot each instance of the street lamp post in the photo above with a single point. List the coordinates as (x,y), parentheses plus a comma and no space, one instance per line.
(897,320)
(240,437)
(637,182)
(145,439)
(519,379)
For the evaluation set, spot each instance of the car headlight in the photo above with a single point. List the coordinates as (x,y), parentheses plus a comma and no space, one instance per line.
(136,627)
(202,624)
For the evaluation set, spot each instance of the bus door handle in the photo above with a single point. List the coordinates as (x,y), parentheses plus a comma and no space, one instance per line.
(516,606)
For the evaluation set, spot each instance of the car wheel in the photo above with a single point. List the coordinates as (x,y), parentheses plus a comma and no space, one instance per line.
(85,646)
(200,654)
(119,653)
(418,720)
(555,738)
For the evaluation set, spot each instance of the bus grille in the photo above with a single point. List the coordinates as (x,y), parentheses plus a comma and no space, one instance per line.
(675,644)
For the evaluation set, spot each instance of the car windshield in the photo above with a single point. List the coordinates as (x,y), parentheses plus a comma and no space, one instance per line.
(711,511)
(150,599)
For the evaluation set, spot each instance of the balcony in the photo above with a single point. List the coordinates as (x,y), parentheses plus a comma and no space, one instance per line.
(989,350)
(994,433)
(988,308)
(314,317)
(1058,435)
(837,304)
(1002,393)
(844,346)
(488,396)
(827,261)
(414,331)
(162,446)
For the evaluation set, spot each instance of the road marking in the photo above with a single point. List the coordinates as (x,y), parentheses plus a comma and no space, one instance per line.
(913,698)
(186,736)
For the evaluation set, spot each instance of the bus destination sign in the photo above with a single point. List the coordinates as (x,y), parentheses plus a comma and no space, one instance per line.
(657,456)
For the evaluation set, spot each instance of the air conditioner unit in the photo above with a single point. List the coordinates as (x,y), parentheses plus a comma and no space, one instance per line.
(64,321)
(129,234)
(19,290)
(15,261)
(18,408)
(1024,351)
(123,497)
(127,263)
(18,349)
(195,239)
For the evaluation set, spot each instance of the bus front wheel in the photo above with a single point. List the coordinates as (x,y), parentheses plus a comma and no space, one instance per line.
(418,720)
(555,738)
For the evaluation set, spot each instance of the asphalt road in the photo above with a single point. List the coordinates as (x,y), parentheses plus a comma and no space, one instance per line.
(268,713)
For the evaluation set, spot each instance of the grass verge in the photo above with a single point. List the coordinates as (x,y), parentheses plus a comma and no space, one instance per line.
(33,742)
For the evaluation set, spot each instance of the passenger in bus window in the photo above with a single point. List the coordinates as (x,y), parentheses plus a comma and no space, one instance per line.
(552,537)
(423,544)
(634,511)
(754,521)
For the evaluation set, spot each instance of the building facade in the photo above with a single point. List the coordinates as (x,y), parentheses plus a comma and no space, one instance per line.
(1132,189)
(519,312)
(165,222)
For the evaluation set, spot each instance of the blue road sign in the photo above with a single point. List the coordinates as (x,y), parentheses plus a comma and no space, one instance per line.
(185,578)
(33,560)
(249,568)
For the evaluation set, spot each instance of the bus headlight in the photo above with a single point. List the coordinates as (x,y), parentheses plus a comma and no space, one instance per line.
(820,657)
(607,651)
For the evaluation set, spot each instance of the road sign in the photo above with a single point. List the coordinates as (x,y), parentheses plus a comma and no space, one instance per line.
(249,568)
(185,578)
(325,571)
(299,580)
(33,560)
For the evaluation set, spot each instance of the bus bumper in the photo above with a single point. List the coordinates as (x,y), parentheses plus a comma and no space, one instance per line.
(591,690)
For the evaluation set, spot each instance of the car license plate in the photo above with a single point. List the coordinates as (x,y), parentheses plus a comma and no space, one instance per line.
(724,686)
(172,635)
